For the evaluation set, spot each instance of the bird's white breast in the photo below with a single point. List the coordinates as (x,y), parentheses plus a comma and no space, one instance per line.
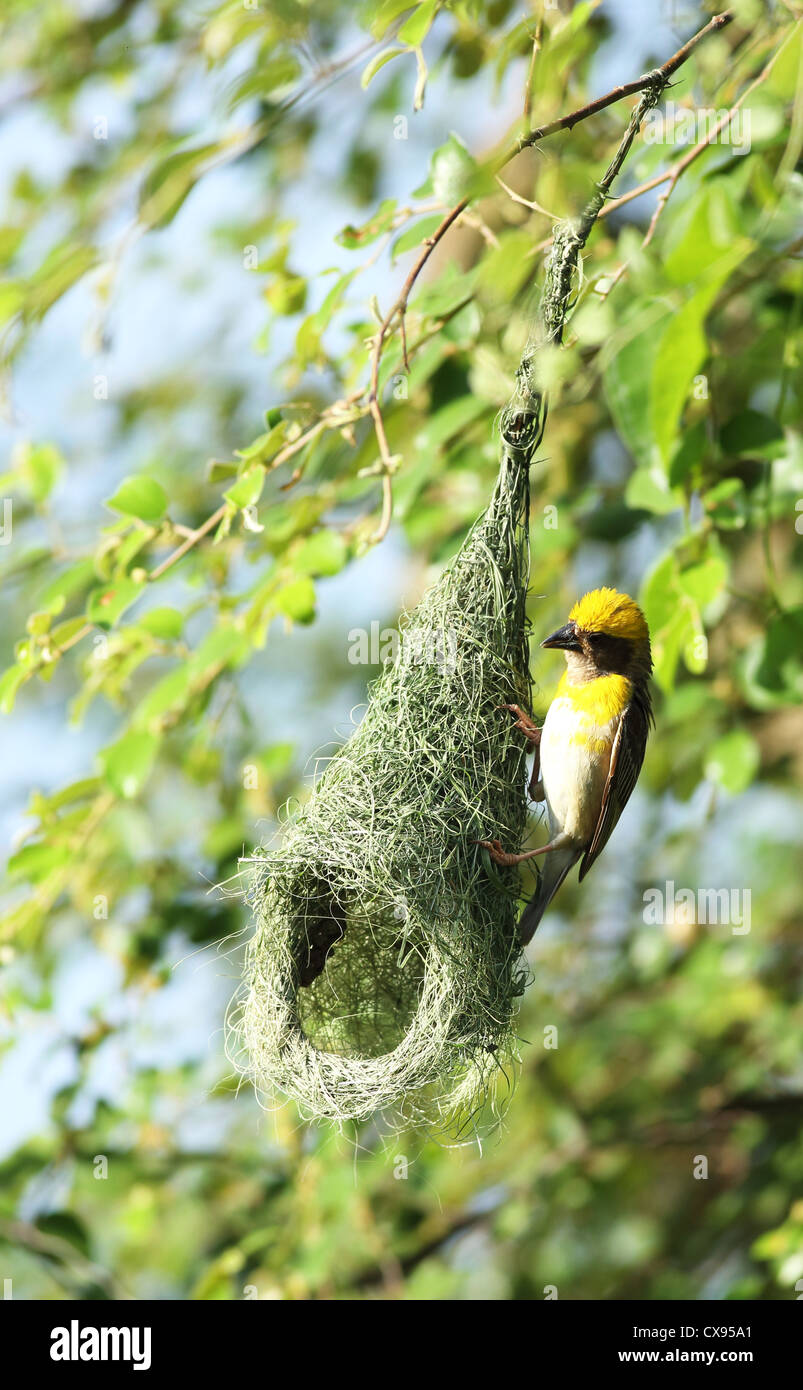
(575,758)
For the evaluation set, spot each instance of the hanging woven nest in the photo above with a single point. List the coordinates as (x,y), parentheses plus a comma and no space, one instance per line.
(385,964)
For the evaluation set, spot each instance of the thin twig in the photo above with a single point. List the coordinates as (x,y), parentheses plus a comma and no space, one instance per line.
(616,203)
(647,79)
(61,1257)
(526,202)
(528,89)
(191,540)
(682,164)
(671,175)
(523,420)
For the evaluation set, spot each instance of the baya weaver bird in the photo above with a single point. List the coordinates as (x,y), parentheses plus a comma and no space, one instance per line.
(588,755)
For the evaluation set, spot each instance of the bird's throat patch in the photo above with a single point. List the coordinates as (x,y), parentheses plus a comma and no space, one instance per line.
(601,700)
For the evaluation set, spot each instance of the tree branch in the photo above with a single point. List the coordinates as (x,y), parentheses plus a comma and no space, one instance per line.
(658,78)
(640,84)
(682,164)
(671,175)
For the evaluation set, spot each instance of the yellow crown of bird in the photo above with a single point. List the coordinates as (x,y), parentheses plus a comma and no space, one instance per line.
(608,611)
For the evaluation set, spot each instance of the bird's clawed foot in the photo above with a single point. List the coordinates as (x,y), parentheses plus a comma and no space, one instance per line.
(503,857)
(532,733)
(507,860)
(499,855)
(523,722)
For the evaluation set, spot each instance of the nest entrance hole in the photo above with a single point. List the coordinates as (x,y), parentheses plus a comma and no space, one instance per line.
(361,975)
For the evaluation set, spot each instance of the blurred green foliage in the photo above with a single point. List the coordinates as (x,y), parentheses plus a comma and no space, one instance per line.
(673,465)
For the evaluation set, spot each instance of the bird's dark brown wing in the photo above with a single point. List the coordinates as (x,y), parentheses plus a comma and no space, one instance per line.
(627,755)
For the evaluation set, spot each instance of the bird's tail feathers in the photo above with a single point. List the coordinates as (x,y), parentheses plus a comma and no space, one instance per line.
(556,866)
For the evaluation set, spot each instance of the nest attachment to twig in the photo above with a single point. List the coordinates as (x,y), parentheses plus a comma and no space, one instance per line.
(385,965)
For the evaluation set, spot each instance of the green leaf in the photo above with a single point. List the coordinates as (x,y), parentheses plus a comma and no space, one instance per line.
(296,600)
(733,761)
(450,420)
(415,29)
(108,604)
(129,546)
(704,580)
(11,239)
(383,15)
(141,497)
(247,489)
(127,764)
(726,504)
(220,470)
(688,454)
(308,339)
(647,489)
(166,623)
(750,432)
(263,448)
(40,466)
(276,759)
(169,694)
(452,287)
(649,381)
(60,270)
(671,623)
(223,646)
(414,235)
(64,632)
(12,299)
(682,349)
(66,1226)
(673,597)
(323,553)
(627,377)
(170,182)
(505,268)
(10,682)
(271,79)
(704,238)
(287,519)
(67,584)
(773,668)
(43,806)
(452,170)
(287,294)
(381,222)
(35,862)
(37,624)
(377,62)
(465,326)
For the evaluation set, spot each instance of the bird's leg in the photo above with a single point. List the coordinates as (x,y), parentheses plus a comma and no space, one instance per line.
(535,791)
(535,787)
(504,858)
(531,731)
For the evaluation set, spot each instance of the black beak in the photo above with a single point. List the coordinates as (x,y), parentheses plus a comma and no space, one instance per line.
(565,637)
